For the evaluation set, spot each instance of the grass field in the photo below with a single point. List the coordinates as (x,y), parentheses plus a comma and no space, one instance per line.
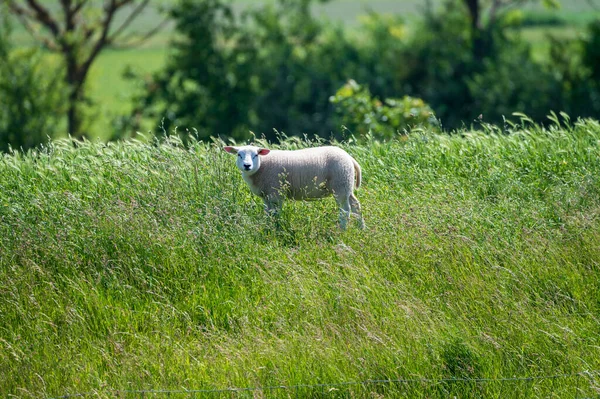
(131,267)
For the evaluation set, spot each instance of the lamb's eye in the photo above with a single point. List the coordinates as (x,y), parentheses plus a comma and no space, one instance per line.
(240,155)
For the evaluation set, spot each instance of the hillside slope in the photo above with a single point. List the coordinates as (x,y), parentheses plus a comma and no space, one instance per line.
(131,267)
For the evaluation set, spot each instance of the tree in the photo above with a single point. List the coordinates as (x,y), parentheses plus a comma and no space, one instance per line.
(79,35)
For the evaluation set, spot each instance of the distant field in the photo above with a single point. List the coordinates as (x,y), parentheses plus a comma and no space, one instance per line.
(110,91)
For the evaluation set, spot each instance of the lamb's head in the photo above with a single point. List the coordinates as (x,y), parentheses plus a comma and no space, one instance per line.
(248,157)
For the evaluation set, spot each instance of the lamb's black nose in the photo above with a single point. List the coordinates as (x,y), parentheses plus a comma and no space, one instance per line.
(247,167)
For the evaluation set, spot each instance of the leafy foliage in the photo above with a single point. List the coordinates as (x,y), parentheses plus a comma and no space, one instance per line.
(207,84)
(447,73)
(462,87)
(362,115)
(573,67)
(276,68)
(591,50)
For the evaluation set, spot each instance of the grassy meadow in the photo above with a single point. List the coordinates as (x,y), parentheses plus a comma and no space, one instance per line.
(139,268)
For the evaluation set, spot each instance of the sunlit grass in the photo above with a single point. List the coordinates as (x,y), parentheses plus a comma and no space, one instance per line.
(134,266)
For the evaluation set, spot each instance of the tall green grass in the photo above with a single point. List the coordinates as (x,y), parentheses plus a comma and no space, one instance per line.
(133,266)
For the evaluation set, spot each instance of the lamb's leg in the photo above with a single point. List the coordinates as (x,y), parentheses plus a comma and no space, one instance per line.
(344,204)
(272,206)
(355,208)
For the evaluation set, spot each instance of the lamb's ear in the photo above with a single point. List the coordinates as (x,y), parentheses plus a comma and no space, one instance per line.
(263,151)
(230,149)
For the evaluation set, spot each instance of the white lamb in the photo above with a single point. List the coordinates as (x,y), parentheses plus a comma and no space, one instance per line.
(302,174)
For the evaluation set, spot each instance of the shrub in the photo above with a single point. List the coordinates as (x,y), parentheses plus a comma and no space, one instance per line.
(573,65)
(442,69)
(513,83)
(361,114)
(206,84)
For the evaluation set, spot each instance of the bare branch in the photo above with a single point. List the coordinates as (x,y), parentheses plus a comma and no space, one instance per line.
(44,17)
(18,10)
(79,6)
(109,11)
(140,7)
(69,15)
(78,40)
(121,3)
(143,39)
(26,18)
(66,4)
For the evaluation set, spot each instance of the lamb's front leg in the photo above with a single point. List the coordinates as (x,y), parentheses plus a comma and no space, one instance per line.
(272,205)
(273,209)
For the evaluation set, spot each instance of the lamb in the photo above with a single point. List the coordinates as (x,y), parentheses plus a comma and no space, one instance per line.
(310,173)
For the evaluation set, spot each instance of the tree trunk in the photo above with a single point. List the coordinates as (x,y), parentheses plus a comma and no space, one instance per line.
(74,86)
(75,80)
(476,28)
(73,118)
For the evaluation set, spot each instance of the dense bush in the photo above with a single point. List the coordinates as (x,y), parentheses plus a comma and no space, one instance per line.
(462,85)
(591,50)
(590,83)
(275,68)
(220,75)
(573,65)
(210,62)
(438,62)
(30,97)
(512,83)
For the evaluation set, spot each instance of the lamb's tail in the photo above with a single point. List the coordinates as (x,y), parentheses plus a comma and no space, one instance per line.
(357,173)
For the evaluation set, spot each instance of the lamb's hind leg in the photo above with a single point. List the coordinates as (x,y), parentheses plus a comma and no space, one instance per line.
(355,209)
(344,205)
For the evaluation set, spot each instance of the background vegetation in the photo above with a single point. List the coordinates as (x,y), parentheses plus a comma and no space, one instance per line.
(134,266)
(275,65)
